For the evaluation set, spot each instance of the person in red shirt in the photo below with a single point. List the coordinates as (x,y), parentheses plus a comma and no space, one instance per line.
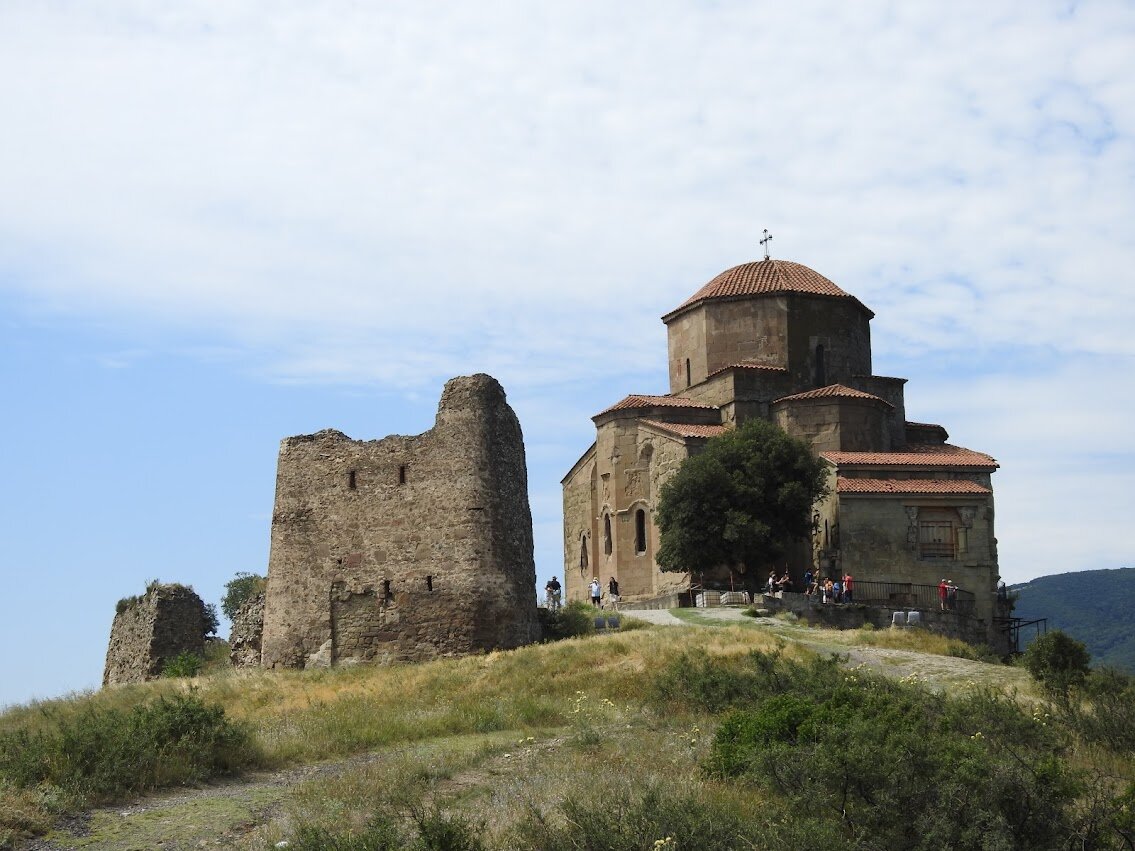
(847,582)
(943,590)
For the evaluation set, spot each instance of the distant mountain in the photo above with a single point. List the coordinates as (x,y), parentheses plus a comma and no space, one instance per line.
(1096,607)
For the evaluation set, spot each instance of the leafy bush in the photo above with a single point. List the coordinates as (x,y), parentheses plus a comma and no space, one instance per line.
(626,819)
(184,664)
(431,830)
(379,834)
(892,765)
(125,603)
(695,682)
(239,590)
(103,754)
(26,812)
(1106,714)
(1057,661)
(576,618)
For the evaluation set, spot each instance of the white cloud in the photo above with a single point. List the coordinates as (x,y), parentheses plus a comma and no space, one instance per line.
(391,194)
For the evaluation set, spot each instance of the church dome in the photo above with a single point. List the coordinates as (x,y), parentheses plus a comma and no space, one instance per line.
(763,277)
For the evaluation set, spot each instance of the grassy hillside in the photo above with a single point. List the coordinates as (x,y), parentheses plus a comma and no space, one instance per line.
(1096,607)
(717,736)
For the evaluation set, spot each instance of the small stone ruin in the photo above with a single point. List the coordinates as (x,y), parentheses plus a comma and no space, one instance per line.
(248,626)
(151,630)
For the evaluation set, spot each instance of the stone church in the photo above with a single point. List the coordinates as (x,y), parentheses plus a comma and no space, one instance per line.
(777,340)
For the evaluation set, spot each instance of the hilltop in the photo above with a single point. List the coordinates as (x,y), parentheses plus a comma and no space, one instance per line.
(723,732)
(1093,606)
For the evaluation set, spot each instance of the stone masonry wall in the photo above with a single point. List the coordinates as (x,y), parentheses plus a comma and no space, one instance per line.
(151,630)
(403,548)
(248,628)
(580,529)
(852,616)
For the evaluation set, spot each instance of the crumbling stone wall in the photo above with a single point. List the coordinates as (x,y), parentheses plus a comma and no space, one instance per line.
(150,630)
(403,548)
(248,627)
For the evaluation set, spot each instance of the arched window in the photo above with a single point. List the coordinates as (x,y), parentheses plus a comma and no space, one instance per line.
(583,552)
(687,372)
(640,532)
(821,378)
(607,534)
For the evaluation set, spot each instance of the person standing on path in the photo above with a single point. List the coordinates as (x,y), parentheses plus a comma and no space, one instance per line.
(613,593)
(596,592)
(552,590)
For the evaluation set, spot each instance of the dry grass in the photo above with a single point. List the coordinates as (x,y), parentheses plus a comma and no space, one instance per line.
(496,737)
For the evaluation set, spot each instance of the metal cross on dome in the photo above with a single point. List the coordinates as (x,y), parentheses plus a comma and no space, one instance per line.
(766,241)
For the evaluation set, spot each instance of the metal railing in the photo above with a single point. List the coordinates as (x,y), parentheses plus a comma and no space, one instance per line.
(907,595)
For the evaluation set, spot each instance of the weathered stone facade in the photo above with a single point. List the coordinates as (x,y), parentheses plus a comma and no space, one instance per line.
(150,630)
(405,548)
(778,341)
(247,630)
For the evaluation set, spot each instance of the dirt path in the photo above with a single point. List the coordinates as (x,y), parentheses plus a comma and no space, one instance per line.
(222,814)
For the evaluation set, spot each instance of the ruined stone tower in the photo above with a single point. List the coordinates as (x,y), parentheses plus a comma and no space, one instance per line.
(151,630)
(403,548)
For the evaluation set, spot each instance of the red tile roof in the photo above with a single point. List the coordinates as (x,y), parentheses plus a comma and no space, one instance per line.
(916,455)
(838,391)
(910,486)
(635,401)
(764,277)
(688,429)
(757,366)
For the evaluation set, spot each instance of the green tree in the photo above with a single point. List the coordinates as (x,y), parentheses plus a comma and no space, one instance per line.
(239,590)
(740,501)
(209,613)
(1058,661)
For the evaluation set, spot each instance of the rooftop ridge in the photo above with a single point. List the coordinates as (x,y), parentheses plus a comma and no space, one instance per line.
(764,277)
(833,391)
(915,455)
(644,401)
(688,429)
(910,486)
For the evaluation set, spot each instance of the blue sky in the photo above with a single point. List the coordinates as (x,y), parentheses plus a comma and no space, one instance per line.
(225,223)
